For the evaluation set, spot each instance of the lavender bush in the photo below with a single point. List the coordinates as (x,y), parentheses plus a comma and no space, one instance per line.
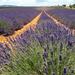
(48,50)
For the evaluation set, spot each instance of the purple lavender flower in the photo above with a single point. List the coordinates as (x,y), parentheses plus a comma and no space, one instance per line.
(69,43)
(65,71)
(45,54)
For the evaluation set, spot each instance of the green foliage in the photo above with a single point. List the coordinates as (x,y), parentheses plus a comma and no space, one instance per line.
(31,62)
(27,63)
(34,60)
(3,24)
(5,27)
(72,6)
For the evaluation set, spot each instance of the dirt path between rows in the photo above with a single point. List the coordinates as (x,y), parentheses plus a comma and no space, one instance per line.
(7,39)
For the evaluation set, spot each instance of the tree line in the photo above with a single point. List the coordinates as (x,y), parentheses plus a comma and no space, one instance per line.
(71,6)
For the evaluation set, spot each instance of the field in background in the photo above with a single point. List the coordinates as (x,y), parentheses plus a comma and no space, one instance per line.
(64,15)
(13,18)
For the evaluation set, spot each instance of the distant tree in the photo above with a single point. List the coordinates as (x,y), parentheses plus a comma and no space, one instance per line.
(64,5)
(73,5)
(70,6)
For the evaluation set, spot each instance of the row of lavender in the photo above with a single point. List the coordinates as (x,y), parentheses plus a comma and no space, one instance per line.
(13,18)
(64,15)
(48,50)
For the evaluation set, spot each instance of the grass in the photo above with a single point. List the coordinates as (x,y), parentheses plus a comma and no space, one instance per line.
(31,62)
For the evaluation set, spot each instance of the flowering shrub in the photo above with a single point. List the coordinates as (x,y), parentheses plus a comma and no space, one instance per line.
(48,50)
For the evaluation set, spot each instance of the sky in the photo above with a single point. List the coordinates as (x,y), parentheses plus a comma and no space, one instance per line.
(36,2)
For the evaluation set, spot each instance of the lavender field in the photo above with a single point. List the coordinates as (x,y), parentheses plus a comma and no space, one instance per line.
(15,18)
(37,41)
(65,16)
